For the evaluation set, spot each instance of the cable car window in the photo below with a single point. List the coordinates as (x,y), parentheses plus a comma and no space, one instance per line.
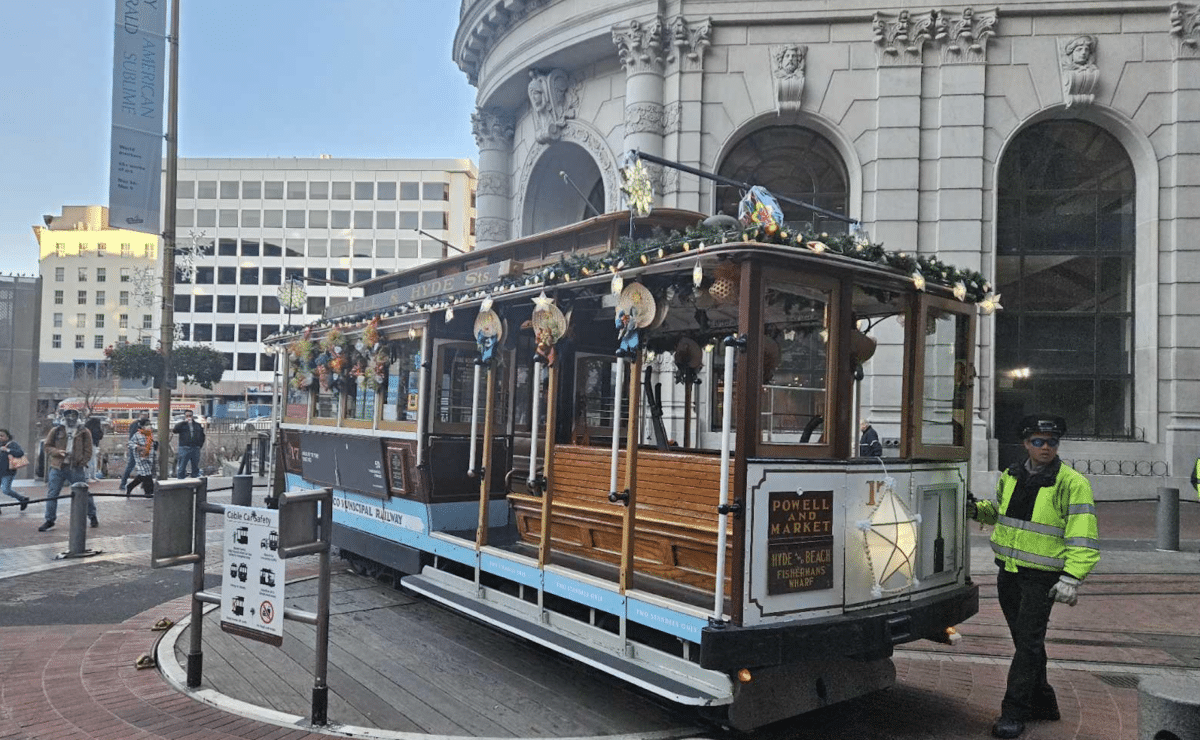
(946,397)
(400,388)
(455,389)
(326,404)
(360,401)
(795,363)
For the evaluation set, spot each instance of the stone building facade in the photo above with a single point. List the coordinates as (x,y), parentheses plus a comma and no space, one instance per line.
(1052,145)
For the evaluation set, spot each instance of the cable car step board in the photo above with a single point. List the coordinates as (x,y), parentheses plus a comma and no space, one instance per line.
(435,585)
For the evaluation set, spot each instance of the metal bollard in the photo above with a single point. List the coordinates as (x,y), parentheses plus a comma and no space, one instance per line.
(1167,522)
(77,543)
(243,486)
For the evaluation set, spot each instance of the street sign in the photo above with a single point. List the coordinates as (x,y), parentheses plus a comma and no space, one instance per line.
(253,576)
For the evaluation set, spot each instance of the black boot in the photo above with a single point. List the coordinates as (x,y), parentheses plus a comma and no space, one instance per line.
(1008,728)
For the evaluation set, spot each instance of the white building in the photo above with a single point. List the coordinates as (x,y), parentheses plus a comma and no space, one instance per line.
(257,223)
(1051,145)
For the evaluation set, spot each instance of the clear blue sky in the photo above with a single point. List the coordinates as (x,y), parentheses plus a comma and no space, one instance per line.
(258,78)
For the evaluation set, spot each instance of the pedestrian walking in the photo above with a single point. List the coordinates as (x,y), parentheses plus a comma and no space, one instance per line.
(68,450)
(141,450)
(191,439)
(10,454)
(143,420)
(869,444)
(1046,542)
(95,426)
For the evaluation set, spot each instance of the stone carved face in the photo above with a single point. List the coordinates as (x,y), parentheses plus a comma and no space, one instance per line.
(790,61)
(537,96)
(1079,50)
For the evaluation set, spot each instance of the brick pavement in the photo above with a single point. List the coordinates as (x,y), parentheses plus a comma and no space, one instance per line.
(79,681)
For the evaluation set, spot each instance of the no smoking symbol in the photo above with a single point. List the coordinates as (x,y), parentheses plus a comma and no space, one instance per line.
(266,612)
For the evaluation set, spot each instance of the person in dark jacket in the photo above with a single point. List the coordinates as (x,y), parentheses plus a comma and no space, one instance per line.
(9,448)
(95,426)
(143,420)
(191,439)
(869,444)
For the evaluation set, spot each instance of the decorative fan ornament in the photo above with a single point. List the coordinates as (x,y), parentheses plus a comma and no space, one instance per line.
(637,188)
(488,332)
(635,311)
(724,289)
(890,543)
(549,326)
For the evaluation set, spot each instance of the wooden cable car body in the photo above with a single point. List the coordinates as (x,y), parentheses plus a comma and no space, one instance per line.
(827,559)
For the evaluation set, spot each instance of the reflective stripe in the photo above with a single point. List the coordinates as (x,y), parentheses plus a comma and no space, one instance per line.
(1028,557)
(1030,526)
(1082,542)
(1082,509)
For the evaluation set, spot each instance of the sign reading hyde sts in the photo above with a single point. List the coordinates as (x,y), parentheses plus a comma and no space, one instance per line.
(477,278)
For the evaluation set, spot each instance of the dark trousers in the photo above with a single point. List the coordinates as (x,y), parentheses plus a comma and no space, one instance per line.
(145,481)
(1026,602)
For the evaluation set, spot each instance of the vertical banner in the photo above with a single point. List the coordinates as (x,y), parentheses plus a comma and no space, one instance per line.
(139,79)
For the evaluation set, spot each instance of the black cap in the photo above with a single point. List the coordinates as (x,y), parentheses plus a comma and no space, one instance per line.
(70,411)
(1043,424)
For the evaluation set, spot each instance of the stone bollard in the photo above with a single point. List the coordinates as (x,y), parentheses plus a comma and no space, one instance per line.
(1169,708)
(1167,521)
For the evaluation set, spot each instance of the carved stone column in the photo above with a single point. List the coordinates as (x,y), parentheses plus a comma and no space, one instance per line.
(683,100)
(640,47)
(494,133)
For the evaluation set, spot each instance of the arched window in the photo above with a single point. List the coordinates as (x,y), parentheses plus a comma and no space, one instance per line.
(1064,267)
(552,201)
(790,161)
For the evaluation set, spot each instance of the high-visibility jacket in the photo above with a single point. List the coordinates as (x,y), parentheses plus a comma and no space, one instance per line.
(1058,533)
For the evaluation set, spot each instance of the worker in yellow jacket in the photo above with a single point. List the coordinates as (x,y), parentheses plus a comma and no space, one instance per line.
(1046,542)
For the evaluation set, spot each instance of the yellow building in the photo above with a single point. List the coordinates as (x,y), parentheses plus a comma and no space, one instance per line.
(99,289)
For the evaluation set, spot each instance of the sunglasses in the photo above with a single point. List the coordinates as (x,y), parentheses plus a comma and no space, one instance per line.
(1042,442)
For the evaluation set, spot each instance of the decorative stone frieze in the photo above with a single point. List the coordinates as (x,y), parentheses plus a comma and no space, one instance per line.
(1080,75)
(552,102)
(1185,27)
(493,128)
(492,183)
(672,114)
(963,39)
(490,21)
(491,230)
(689,40)
(900,39)
(788,64)
(640,45)
(644,118)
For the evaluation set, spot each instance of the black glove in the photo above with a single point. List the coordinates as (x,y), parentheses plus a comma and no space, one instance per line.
(972,508)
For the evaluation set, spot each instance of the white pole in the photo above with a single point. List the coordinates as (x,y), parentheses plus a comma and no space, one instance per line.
(537,412)
(474,421)
(616,436)
(422,376)
(723,519)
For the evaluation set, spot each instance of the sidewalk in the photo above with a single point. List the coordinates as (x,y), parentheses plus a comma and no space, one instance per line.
(1136,617)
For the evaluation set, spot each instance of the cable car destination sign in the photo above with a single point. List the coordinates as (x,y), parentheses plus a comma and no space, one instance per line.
(444,285)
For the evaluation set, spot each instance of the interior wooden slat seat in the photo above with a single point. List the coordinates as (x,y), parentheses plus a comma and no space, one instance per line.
(675,535)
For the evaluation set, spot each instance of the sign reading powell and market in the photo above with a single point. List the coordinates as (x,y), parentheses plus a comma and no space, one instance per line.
(799,541)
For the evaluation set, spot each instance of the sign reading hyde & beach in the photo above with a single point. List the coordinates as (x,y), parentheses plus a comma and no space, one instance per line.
(135,156)
(252,581)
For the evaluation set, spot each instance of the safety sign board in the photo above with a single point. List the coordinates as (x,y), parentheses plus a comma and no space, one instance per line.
(253,577)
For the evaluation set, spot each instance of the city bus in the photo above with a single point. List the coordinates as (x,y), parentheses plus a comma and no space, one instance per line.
(635,443)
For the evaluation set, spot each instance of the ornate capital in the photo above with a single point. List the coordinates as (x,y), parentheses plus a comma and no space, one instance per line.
(1080,75)
(492,183)
(900,39)
(643,118)
(689,41)
(552,101)
(964,38)
(493,128)
(788,63)
(1185,27)
(640,45)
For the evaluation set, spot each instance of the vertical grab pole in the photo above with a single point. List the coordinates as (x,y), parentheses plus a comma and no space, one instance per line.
(474,419)
(533,425)
(630,493)
(618,388)
(548,463)
(485,469)
(723,517)
(422,377)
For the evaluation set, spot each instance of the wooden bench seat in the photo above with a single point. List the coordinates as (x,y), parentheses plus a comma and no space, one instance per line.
(675,530)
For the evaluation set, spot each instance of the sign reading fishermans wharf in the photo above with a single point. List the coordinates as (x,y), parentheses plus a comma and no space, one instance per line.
(459,281)
(799,541)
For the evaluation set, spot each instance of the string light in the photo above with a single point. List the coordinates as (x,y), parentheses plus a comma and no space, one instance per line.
(697,274)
